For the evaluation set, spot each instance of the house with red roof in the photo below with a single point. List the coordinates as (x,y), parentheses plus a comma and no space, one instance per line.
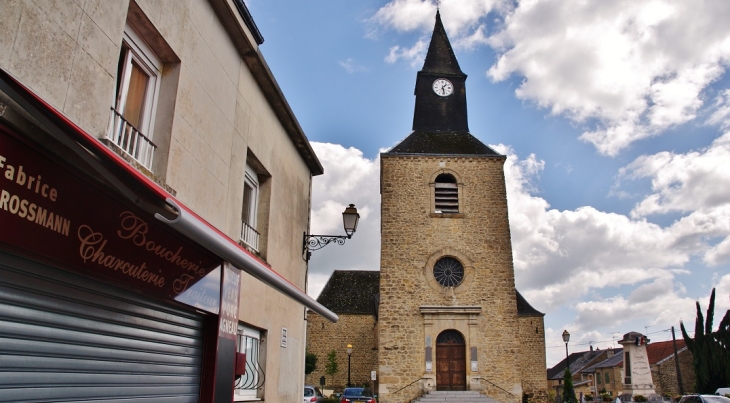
(664,367)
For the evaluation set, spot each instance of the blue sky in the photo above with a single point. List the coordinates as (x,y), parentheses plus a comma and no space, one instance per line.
(615,117)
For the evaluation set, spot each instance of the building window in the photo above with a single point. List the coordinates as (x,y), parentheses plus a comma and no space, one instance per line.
(627,368)
(608,379)
(448,272)
(249,235)
(250,342)
(598,378)
(138,85)
(446,194)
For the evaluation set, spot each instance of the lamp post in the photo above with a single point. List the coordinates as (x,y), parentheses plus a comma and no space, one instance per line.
(566,339)
(350,218)
(349,354)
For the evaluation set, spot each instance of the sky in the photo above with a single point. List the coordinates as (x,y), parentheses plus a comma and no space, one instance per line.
(614,116)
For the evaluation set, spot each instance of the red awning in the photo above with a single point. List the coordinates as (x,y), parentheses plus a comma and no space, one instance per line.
(142,191)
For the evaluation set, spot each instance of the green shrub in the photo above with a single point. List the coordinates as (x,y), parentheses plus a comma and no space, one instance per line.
(640,398)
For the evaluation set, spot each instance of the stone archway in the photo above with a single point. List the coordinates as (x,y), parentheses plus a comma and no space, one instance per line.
(450,361)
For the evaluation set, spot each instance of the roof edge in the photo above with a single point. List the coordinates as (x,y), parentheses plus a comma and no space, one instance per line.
(250,53)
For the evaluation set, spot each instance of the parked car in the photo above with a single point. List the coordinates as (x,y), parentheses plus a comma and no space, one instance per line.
(722,391)
(704,399)
(312,394)
(359,395)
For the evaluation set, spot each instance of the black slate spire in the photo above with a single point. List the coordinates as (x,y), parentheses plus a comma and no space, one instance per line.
(440,124)
(440,57)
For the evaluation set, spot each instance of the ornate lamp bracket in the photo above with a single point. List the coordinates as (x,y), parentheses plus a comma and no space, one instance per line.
(317,242)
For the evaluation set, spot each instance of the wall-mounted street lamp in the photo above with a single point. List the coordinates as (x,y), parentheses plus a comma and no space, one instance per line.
(349,354)
(350,217)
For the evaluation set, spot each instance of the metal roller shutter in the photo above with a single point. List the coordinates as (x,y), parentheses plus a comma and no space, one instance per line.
(66,338)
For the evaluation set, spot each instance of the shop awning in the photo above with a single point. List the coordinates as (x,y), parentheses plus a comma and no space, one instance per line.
(152,198)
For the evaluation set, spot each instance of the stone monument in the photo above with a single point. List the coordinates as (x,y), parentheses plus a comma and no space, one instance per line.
(637,373)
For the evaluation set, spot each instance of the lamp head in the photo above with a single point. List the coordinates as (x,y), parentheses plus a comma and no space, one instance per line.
(350,217)
(349,349)
(566,336)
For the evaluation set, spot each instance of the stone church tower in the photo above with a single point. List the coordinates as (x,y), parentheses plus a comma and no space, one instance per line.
(450,317)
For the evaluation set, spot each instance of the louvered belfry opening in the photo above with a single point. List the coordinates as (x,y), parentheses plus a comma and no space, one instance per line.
(447,194)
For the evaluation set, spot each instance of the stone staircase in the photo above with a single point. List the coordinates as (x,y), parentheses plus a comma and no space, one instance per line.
(454,397)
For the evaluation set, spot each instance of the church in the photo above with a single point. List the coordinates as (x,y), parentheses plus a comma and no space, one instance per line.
(443,313)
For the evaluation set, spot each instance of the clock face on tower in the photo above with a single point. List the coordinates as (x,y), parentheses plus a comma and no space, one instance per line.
(442,87)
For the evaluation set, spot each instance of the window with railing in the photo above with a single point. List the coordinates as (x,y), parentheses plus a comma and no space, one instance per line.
(132,115)
(249,235)
(250,342)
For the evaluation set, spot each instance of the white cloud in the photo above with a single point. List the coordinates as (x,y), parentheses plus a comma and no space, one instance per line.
(351,67)
(348,177)
(463,20)
(627,69)
(695,181)
(413,55)
(721,113)
(638,67)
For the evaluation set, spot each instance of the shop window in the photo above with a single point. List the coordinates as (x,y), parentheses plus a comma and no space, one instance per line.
(249,235)
(138,86)
(446,194)
(252,343)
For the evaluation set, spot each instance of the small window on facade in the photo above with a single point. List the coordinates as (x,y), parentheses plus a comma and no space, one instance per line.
(250,343)
(598,378)
(448,272)
(249,235)
(446,194)
(138,84)
(608,379)
(627,368)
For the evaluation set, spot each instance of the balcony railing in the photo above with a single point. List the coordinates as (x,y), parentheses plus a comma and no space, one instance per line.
(131,140)
(249,236)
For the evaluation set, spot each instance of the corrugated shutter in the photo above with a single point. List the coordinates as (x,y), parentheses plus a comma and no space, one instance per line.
(66,338)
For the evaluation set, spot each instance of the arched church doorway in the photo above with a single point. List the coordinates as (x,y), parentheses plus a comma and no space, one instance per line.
(450,361)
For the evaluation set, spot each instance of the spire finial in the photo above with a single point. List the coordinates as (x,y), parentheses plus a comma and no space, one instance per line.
(438,5)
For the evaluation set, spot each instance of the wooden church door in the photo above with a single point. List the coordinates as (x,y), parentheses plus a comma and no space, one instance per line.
(450,361)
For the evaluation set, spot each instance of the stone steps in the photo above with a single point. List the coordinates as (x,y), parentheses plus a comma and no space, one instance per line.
(454,397)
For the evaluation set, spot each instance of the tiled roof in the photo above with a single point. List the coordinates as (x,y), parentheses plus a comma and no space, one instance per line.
(660,350)
(584,361)
(524,307)
(616,360)
(351,291)
(442,143)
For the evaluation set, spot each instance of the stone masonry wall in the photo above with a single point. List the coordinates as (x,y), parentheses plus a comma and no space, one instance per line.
(664,375)
(412,238)
(324,336)
(532,357)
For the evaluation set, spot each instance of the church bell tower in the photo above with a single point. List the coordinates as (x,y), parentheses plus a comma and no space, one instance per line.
(449,316)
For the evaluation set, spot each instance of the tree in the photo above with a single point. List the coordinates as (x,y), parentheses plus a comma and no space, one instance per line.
(568,391)
(710,351)
(331,367)
(310,363)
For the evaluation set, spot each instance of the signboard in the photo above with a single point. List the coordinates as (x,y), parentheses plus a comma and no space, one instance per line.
(230,291)
(52,212)
(225,363)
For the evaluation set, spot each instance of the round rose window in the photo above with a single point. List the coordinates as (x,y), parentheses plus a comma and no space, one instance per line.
(448,271)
